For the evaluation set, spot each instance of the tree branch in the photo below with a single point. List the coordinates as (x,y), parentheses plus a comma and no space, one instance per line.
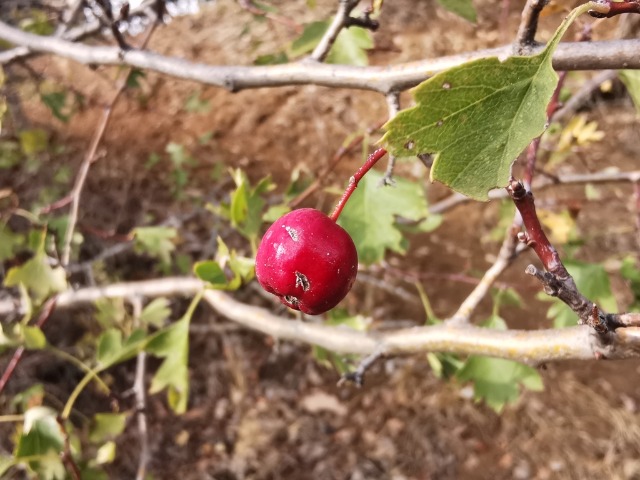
(568,56)
(529,346)
(340,21)
(604,176)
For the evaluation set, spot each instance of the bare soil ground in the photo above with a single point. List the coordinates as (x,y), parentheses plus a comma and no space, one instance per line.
(265,410)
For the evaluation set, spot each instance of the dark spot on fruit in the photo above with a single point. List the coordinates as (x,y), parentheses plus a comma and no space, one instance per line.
(302,281)
(293,301)
(292,233)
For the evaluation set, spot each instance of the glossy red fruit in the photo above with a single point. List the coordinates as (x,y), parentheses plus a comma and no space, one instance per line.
(307,260)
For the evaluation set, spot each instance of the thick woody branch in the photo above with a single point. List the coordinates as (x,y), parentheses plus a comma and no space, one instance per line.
(568,56)
(533,347)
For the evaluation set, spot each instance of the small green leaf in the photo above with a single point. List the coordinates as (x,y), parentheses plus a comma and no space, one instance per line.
(309,38)
(156,312)
(112,350)
(172,344)
(350,48)
(57,103)
(135,75)
(107,426)
(370,215)
(275,212)
(38,277)
(496,380)
(156,241)
(109,346)
(242,269)
(110,312)
(34,339)
(245,209)
(194,104)
(41,435)
(211,272)
(463,8)
(106,453)
(5,464)
(631,79)
(9,243)
(478,117)
(33,141)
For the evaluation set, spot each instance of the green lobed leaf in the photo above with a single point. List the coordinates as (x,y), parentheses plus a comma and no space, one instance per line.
(40,278)
(156,312)
(9,242)
(496,380)
(42,438)
(350,48)
(57,103)
(592,281)
(33,141)
(478,117)
(308,39)
(463,8)
(215,272)
(172,344)
(113,350)
(156,241)
(370,215)
(631,80)
(107,426)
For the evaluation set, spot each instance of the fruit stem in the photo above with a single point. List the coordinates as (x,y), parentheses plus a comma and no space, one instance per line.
(353,181)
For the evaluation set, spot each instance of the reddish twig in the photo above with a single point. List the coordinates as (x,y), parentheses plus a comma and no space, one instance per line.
(353,181)
(47,309)
(67,457)
(615,8)
(340,153)
(556,279)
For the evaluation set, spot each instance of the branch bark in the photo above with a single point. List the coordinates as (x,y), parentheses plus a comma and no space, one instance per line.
(529,346)
(568,56)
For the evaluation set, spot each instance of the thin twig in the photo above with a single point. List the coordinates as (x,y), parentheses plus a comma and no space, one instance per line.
(331,165)
(528,25)
(505,258)
(613,54)
(357,376)
(45,313)
(90,157)
(340,21)
(584,94)
(141,402)
(67,457)
(393,104)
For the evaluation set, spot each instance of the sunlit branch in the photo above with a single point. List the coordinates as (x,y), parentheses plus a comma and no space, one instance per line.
(568,56)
